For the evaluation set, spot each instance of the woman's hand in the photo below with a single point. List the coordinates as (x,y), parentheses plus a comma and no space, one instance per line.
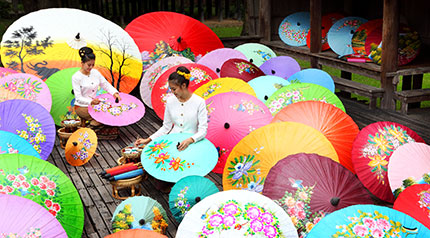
(116,95)
(184,144)
(95,101)
(142,141)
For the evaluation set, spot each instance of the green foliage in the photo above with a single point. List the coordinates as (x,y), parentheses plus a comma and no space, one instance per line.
(222,32)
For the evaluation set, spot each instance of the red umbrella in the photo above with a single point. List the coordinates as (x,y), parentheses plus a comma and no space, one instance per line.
(415,201)
(372,150)
(241,69)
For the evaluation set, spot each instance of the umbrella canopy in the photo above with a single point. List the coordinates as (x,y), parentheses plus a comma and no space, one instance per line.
(139,212)
(216,58)
(45,184)
(256,53)
(326,22)
(232,116)
(6,71)
(340,34)
(336,125)
(160,34)
(21,217)
(236,214)
(154,72)
(241,69)
(298,92)
(408,163)
(52,45)
(265,86)
(200,75)
(8,95)
(28,87)
(30,121)
(359,38)
(11,143)
(415,201)
(251,159)
(122,113)
(81,146)
(368,221)
(309,186)
(162,159)
(281,66)
(294,28)
(371,153)
(136,233)
(315,76)
(224,85)
(187,192)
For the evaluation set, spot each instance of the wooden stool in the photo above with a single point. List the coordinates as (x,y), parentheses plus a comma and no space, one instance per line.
(132,183)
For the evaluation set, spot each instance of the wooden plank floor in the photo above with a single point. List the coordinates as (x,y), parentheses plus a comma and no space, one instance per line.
(96,192)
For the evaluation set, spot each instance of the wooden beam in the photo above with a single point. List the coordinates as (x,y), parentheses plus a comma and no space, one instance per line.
(315,9)
(265,19)
(390,41)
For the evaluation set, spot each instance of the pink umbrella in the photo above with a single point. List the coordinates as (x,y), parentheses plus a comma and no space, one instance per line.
(6,71)
(21,217)
(216,58)
(117,113)
(232,116)
(28,87)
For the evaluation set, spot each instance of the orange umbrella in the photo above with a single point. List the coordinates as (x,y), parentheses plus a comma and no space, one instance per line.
(135,233)
(81,146)
(336,125)
(251,159)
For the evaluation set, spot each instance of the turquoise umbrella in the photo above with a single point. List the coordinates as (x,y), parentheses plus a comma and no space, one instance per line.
(14,144)
(315,76)
(162,159)
(187,192)
(265,86)
(368,221)
(256,53)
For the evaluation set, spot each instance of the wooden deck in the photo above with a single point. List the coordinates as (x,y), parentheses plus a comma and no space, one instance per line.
(95,192)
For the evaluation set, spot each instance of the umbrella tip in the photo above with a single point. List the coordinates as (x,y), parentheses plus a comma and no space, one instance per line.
(142,222)
(251,60)
(75,143)
(273,71)
(179,39)
(226,125)
(334,201)
(111,178)
(78,36)
(116,100)
(198,199)
(266,97)
(72,92)
(218,70)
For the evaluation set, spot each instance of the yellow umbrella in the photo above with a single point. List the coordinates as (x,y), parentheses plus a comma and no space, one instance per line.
(81,146)
(224,85)
(251,159)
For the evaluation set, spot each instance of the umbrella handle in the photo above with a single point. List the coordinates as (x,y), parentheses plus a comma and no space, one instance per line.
(75,143)
(116,100)
(198,199)
(334,201)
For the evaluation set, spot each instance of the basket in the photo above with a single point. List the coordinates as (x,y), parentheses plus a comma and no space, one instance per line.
(71,125)
(131,152)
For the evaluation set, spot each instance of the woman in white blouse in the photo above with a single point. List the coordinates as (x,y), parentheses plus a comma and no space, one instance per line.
(85,84)
(184,113)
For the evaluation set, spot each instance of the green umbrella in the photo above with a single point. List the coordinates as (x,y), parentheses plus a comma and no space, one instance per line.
(45,184)
(297,92)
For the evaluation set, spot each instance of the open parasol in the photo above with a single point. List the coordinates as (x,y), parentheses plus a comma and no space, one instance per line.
(241,69)
(315,76)
(11,143)
(216,58)
(340,35)
(415,201)
(265,86)
(326,22)
(293,30)
(256,53)
(6,71)
(81,146)
(281,66)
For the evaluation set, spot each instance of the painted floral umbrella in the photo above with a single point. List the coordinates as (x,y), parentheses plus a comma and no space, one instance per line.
(340,35)
(309,186)
(117,113)
(30,121)
(6,71)
(415,201)
(315,76)
(162,159)
(298,92)
(265,86)
(139,212)
(241,69)
(224,85)
(8,95)
(11,143)
(281,66)
(21,217)
(336,125)
(256,53)
(293,30)
(136,233)
(50,45)
(200,75)
(232,116)
(154,72)
(236,213)
(251,159)
(326,22)
(371,152)
(81,146)
(216,58)
(28,87)
(368,221)
(187,192)
(45,184)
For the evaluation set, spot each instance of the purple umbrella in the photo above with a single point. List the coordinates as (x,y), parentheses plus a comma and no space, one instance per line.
(31,121)
(21,217)
(216,58)
(281,66)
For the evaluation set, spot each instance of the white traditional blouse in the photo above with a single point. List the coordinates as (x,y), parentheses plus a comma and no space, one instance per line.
(85,87)
(185,117)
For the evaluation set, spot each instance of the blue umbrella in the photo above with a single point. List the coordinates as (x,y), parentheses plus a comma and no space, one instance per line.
(340,35)
(265,86)
(368,221)
(187,192)
(14,144)
(127,175)
(315,76)
(294,28)
(162,160)
(282,66)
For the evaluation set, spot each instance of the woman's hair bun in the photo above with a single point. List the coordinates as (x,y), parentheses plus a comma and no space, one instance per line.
(85,51)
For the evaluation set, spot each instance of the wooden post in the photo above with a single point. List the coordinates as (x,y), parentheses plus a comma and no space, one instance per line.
(390,41)
(315,9)
(265,15)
